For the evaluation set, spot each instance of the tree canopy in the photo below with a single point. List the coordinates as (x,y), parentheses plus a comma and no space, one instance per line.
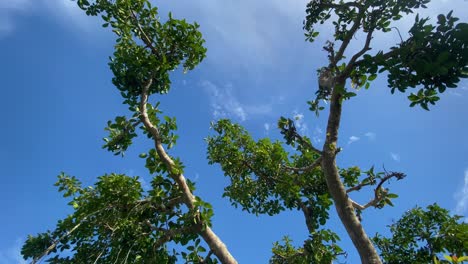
(117,221)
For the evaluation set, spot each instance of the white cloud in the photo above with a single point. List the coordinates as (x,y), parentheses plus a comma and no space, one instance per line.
(299,122)
(370,135)
(68,12)
(225,104)
(395,156)
(12,255)
(455,93)
(267,127)
(462,197)
(353,139)
(317,135)
(65,11)
(196,177)
(144,184)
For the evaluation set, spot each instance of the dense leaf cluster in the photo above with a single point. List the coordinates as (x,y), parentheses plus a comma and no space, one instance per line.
(166,45)
(420,235)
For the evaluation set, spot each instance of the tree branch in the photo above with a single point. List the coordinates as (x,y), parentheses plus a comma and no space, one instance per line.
(347,39)
(343,204)
(385,56)
(169,234)
(213,241)
(305,142)
(377,192)
(208,256)
(51,247)
(307,168)
(343,5)
(356,56)
(307,213)
(148,42)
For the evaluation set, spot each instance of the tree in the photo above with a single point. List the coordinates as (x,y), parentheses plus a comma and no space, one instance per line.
(116,221)
(420,236)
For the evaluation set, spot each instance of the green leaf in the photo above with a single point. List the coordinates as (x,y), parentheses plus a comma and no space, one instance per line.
(372,77)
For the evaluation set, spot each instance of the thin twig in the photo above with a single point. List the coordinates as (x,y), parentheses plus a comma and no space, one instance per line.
(377,192)
(307,168)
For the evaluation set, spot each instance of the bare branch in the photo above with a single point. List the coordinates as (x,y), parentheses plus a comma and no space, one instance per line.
(347,39)
(377,192)
(51,247)
(99,256)
(308,168)
(351,63)
(57,241)
(307,215)
(305,142)
(169,234)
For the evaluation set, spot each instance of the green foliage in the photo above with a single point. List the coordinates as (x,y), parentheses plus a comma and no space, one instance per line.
(422,235)
(434,58)
(121,133)
(320,248)
(166,45)
(377,15)
(451,259)
(115,221)
(263,178)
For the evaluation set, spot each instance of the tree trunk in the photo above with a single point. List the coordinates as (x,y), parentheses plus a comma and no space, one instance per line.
(343,205)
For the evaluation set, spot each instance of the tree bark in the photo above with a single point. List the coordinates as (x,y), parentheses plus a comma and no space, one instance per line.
(214,242)
(343,205)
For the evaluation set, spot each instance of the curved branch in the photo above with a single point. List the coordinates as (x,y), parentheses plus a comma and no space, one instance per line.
(51,247)
(347,39)
(377,192)
(343,204)
(305,142)
(213,241)
(307,168)
(356,56)
(148,42)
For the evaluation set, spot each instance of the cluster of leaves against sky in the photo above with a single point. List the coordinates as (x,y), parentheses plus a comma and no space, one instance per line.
(116,221)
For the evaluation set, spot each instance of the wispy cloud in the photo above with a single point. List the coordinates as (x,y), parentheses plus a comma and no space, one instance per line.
(65,11)
(225,104)
(144,184)
(69,13)
(353,139)
(9,9)
(267,127)
(299,122)
(12,254)
(317,135)
(371,136)
(462,197)
(395,156)
(196,177)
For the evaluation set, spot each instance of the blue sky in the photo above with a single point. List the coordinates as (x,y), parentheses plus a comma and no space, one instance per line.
(58,97)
